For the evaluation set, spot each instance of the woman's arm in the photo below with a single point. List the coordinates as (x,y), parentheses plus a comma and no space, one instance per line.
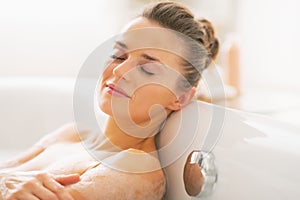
(65,133)
(22,158)
(104,183)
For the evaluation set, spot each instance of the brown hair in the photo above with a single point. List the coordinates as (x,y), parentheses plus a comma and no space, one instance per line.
(176,17)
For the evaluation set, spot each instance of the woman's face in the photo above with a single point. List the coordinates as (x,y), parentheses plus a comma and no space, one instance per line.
(136,80)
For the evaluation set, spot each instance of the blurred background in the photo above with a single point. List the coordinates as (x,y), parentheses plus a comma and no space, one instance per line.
(259,55)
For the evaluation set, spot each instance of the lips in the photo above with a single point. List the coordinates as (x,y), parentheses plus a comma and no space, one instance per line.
(116,91)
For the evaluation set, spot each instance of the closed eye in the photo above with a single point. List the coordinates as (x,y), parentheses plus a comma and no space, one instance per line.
(146,71)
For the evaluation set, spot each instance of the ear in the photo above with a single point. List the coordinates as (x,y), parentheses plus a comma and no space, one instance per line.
(183,100)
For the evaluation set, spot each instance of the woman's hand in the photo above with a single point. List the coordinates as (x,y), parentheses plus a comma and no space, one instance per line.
(35,186)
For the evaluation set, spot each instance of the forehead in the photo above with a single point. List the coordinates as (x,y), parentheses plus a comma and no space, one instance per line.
(144,35)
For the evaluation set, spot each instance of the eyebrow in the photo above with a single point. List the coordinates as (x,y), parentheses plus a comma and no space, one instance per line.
(147,57)
(122,44)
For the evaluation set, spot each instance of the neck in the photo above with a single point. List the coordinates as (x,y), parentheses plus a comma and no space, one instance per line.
(125,141)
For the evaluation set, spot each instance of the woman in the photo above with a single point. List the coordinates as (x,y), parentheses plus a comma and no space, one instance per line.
(59,167)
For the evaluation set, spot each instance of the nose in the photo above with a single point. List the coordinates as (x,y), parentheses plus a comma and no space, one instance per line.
(122,69)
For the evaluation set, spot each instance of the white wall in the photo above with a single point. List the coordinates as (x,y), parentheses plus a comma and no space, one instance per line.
(270,43)
(53,38)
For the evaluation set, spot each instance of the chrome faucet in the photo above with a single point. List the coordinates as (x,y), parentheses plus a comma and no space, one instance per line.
(200,174)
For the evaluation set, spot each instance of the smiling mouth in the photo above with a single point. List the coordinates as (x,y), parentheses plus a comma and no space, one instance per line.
(115,91)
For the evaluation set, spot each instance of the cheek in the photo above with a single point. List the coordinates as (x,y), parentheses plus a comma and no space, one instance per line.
(147,96)
(150,95)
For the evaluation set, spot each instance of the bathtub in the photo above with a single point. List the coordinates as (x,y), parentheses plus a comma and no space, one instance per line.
(30,108)
(255,157)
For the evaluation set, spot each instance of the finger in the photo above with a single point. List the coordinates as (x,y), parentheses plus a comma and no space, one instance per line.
(57,188)
(23,196)
(40,191)
(67,179)
(28,197)
(49,182)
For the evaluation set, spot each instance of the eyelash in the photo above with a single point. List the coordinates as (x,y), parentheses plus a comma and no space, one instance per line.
(146,72)
(117,58)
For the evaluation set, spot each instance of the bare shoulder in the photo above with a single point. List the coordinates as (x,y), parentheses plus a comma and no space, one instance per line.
(65,133)
(116,178)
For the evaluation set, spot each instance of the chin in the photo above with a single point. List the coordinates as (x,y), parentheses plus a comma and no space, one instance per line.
(105,107)
(103,103)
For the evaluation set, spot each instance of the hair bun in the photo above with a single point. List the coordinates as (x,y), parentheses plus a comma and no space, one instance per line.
(210,42)
(214,48)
